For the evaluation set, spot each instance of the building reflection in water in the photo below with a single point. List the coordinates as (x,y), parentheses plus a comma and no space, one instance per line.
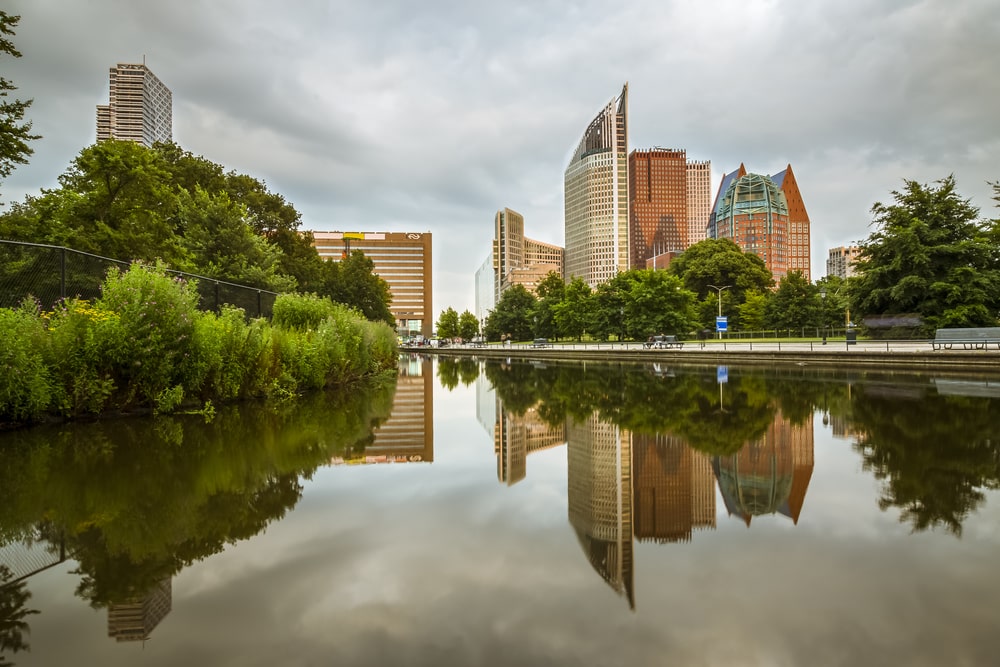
(652,487)
(768,475)
(674,489)
(516,436)
(136,619)
(599,495)
(407,436)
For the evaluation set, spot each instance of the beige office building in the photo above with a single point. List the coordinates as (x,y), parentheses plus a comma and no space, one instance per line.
(403,260)
(139,107)
(518,260)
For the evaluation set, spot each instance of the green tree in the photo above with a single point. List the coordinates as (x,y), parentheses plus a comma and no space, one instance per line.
(574,314)
(447,324)
(721,262)
(13,612)
(15,132)
(834,295)
(268,214)
(795,304)
(605,309)
(468,325)
(119,203)
(513,315)
(222,245)
(751,311)
(123,200)
(929,256)
(549,292)
(278,221)
(353,282)
(657,302)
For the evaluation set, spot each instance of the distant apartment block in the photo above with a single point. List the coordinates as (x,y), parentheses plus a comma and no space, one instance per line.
(518,260)
(764,215)
(699,199)
(139,107)
(402,259)
(596,198)
(840,261)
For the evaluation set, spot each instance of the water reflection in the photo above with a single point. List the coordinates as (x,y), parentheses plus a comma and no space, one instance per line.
(134,502)
(134,620)
(647,446)
(407,435)
(656,458)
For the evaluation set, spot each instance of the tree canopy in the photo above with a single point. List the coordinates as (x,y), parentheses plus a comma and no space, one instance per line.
(930,256)
(15,132)
(122,200)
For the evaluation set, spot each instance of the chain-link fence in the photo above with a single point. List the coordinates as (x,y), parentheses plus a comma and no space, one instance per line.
(19,560)
(50,273)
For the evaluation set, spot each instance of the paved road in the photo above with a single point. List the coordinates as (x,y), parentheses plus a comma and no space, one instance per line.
(894,346)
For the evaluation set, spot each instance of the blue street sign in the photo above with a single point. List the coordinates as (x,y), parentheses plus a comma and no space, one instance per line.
(722,374)
(721,323)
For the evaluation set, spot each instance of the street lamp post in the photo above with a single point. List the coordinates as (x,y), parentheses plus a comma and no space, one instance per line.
(719,290)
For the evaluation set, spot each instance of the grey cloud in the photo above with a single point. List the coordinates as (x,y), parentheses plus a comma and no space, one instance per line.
(433,115)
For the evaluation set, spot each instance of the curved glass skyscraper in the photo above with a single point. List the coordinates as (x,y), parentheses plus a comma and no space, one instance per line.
(595,191)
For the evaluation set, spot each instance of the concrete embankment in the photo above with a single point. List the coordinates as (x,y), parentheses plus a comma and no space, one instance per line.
(904,355)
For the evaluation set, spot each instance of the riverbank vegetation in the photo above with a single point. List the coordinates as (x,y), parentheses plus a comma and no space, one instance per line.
(144,345)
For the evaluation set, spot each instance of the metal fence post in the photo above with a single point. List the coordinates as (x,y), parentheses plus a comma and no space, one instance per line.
(62,274)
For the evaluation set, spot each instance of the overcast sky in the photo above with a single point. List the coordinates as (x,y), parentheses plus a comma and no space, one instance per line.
(429,116)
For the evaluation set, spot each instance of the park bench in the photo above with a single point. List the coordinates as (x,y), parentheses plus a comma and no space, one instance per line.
(970,338)
(541,342)
(477,342)
(663,342)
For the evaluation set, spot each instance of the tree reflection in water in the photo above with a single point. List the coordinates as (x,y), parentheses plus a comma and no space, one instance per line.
(137,500)
(13,612)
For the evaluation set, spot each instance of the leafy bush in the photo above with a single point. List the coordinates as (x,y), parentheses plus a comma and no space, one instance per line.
(81,338)
(156,315)
(25,380)
(301,311)
(144,342)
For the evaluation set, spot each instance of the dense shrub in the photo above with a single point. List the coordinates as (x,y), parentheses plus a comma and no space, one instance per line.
(301,311)
(144,343)
(81,342)
(156,314)
(25,380)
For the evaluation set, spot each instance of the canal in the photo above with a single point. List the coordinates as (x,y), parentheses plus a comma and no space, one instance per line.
(518,513)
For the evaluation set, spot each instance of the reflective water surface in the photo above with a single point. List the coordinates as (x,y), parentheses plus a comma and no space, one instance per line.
(476,513)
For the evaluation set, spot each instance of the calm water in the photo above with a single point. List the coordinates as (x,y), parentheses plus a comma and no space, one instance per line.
(521,514)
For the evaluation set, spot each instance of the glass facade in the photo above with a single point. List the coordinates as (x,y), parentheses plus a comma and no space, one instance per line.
(595,191)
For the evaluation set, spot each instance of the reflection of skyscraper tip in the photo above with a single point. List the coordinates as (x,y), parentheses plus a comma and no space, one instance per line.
(599,495)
